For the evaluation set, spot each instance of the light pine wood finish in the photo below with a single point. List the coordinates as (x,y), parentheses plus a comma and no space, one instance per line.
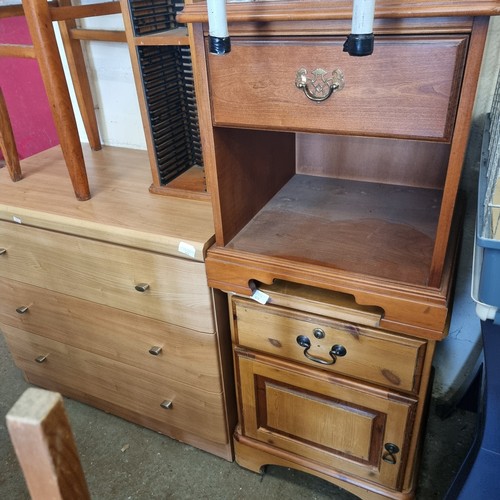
(68,275)
(109,274)
(329,421)
(7,142)
(193,410)
(280,396)
(372,355)
(187,356)
(45,447)
(121,210)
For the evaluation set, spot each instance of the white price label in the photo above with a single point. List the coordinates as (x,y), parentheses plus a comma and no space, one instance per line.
(260,297)
(187,249)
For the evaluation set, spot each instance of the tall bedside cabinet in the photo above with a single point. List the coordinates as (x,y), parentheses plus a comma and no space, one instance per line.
(334,183)
(107,301)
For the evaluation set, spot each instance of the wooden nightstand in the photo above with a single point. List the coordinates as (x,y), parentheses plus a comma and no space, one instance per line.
(347,196)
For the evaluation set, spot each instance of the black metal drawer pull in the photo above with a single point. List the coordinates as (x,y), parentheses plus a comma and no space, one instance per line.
(336,351)
(391,450)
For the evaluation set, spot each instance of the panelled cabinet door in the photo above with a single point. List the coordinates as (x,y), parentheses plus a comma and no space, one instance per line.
(342,424)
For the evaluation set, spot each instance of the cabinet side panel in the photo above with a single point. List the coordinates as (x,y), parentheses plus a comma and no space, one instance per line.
(252,166)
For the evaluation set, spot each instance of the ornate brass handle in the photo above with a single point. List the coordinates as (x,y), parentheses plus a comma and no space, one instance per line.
(319,87)
(337,350)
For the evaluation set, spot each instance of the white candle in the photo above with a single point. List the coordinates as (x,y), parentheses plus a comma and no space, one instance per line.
(217,20)
(363,12)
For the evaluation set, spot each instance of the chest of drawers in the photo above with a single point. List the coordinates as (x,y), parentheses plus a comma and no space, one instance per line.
(98,305)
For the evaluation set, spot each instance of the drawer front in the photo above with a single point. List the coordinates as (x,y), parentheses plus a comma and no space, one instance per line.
(175,352)
(315,416)
(139,392)
(408,88)
(176,289)
(373,355)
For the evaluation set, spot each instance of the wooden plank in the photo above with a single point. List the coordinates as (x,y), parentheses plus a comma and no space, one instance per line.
(120,210)
(458,147)
(367,228)
(342,9)
(178,36)
(98,35)
(66,13)
(79,76)
(13,50)
(47,53)
(7,142)
(45,447)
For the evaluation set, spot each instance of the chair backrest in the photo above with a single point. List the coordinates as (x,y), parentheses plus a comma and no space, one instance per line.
(45,447)
(40,16)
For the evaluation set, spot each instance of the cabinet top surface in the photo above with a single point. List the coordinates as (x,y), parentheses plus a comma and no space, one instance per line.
(285,10)
(121,209)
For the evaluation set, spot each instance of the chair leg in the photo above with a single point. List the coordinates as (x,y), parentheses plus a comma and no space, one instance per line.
(7,142)
(41,435)
(47,54)
(79,76)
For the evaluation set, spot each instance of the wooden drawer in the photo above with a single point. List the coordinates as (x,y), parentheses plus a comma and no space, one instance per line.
(373,355)
(314,415)
(108,274)
(407,88)
(186,356)
(137,391)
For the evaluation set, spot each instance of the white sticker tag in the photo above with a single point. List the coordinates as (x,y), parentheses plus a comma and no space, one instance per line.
(187,249)
(17,220)
(260,297)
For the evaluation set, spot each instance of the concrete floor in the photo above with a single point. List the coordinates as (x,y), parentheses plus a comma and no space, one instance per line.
(154,466)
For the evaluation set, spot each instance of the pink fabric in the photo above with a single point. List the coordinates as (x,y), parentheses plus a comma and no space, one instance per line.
(24,93)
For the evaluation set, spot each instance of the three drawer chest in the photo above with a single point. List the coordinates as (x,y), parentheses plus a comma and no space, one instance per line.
(107,302)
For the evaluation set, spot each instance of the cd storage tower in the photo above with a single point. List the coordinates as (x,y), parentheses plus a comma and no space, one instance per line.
(161,61)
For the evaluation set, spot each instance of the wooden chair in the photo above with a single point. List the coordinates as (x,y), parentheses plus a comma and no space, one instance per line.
(40,15)
(7,142)
(41,435)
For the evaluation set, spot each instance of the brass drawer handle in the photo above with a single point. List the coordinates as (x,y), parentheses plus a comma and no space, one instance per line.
(155,350)
(167,404)
(142,287)
(337,350)
(41,359)
(22,309)
(391,450)
(3,250)
(319,87)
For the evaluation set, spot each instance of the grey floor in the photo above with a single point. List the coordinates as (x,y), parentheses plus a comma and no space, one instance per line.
(125,461)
